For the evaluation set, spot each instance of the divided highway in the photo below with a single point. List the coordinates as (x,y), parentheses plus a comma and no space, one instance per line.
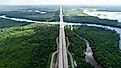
(62,55)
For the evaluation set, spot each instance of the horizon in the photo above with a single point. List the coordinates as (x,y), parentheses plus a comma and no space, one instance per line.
(58,5)
(60,2)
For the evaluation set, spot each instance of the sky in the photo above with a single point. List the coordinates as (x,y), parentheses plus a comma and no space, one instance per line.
(67,2)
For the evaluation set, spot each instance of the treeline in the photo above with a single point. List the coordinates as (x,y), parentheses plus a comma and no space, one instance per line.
(92,20)
(27,46)
(104,43)
(77,48)
(76,12)
(5,23)
(50,16)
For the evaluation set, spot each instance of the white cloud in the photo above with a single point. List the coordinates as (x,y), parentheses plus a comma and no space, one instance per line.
(81,2)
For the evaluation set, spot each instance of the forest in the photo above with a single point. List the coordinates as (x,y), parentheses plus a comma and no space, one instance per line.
(77,49)
(5,23)
(48,17)
(30,45)
(36,13)
(104,43)
(92,20)
(27,46)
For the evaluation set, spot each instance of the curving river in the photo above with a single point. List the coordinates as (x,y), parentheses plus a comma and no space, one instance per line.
(118,30)
(88,53)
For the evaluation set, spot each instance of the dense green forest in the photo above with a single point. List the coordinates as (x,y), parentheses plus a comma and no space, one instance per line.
(30,45)
(104,43)
(38,13)
(5,23)
(27,46)
(77,48)
(37,16)
(92,20)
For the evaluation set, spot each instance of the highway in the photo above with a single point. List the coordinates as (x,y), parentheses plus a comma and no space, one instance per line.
(62,55)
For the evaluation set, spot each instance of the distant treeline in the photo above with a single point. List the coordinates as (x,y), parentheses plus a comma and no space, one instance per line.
(5,23)
(49,16)
(92,20)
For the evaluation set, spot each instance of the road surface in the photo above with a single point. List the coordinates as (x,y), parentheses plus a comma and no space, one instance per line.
(63,60)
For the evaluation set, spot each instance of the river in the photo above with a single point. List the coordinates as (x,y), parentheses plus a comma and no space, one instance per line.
(118,30)
(88,53)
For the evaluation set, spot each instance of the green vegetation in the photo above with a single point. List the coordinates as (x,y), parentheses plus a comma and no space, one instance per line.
(30,45)
(105,45)
(92,20)
(8,8)
(77,16)
(49,16)
(5,23)
(26,46)
(77,48)
(32,12)
(74,12)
